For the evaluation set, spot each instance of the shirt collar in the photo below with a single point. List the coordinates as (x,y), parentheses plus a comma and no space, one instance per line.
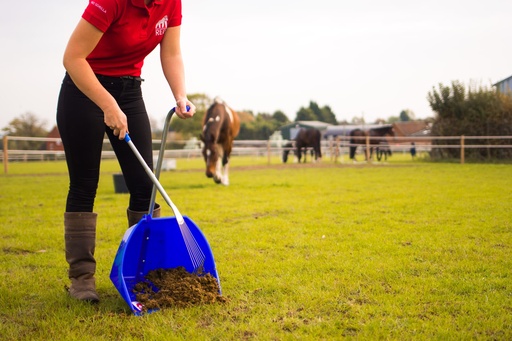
(141,3)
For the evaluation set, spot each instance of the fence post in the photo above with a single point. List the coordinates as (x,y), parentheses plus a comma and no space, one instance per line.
(6,155)
(367,151)
(336,150)
(462,149)
(268,151)
(331,147)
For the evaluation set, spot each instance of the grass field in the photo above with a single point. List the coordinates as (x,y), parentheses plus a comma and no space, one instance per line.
(400,251)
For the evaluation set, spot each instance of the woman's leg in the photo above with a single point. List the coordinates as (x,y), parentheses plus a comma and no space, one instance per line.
(82,129)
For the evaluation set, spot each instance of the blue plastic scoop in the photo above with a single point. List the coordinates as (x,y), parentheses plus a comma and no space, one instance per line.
(159,243)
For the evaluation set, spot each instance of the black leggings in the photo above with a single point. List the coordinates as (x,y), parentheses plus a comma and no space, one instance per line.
(82,129)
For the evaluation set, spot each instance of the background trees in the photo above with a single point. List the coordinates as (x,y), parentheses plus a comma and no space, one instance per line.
(472,111)
(27,125)
(459,110)
(315,113)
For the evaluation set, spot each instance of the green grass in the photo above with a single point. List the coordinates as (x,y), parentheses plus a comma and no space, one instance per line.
(402,250)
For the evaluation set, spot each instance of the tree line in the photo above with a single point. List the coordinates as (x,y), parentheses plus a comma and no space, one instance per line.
(458,110)
(259,126)
(253,126)
(471,111)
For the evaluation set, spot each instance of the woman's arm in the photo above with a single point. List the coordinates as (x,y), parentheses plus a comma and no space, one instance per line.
(83,40)
(174,71)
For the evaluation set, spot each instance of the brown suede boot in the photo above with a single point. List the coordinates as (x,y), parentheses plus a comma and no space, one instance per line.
(134,217)
(80,239)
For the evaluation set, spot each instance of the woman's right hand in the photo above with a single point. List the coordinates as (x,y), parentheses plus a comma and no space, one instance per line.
(116,120)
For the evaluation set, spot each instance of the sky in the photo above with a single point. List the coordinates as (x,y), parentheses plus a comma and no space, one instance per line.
(368,59)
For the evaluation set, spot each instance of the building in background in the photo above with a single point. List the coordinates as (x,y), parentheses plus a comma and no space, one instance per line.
(504,86)
(54,145)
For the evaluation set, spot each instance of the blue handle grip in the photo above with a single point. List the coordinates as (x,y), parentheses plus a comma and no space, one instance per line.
(188,108)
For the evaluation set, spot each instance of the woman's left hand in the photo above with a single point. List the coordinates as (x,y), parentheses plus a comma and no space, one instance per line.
(181,108)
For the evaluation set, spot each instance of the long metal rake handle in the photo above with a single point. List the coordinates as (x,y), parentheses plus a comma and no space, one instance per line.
(161,153)
(153,178)
(160,159)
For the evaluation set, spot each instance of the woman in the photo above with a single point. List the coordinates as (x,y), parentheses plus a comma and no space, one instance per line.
(101,93)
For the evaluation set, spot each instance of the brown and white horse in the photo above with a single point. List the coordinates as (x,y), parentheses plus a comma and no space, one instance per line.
(221,125)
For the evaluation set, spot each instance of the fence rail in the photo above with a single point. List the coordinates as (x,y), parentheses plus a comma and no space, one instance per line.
(37,148)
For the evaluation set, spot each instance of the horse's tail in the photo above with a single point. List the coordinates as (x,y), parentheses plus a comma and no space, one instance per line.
(318,143)
(352,150)
(357,136)
(286,151)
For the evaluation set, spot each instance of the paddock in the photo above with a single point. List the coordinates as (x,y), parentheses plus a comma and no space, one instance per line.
(403,250)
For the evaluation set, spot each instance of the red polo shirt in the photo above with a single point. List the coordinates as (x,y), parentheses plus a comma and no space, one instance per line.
(131,31)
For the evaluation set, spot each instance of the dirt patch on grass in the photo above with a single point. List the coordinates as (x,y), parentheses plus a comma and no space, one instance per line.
(177,287)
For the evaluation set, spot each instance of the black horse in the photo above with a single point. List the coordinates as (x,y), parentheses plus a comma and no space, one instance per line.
(383,150)
(305,138)
(358,138)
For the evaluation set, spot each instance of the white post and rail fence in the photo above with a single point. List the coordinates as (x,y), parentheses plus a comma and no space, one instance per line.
(24,149)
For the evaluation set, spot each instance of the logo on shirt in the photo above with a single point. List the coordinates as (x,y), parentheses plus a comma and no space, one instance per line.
(161,26)
(94,3)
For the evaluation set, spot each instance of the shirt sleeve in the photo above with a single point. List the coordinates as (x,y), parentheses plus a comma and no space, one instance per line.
(176,15)
(100,13)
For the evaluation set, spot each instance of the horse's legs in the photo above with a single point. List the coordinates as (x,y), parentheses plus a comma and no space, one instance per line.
(370,154)
(225,177)
(352,152)
(217,177)
(224,174)
(318,153)
(224,171)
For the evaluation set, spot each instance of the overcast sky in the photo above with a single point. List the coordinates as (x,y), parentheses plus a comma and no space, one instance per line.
(362,58)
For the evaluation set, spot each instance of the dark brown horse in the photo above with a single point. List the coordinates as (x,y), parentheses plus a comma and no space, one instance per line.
(383,150)
(358,138)
(305,138)
(220,127)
